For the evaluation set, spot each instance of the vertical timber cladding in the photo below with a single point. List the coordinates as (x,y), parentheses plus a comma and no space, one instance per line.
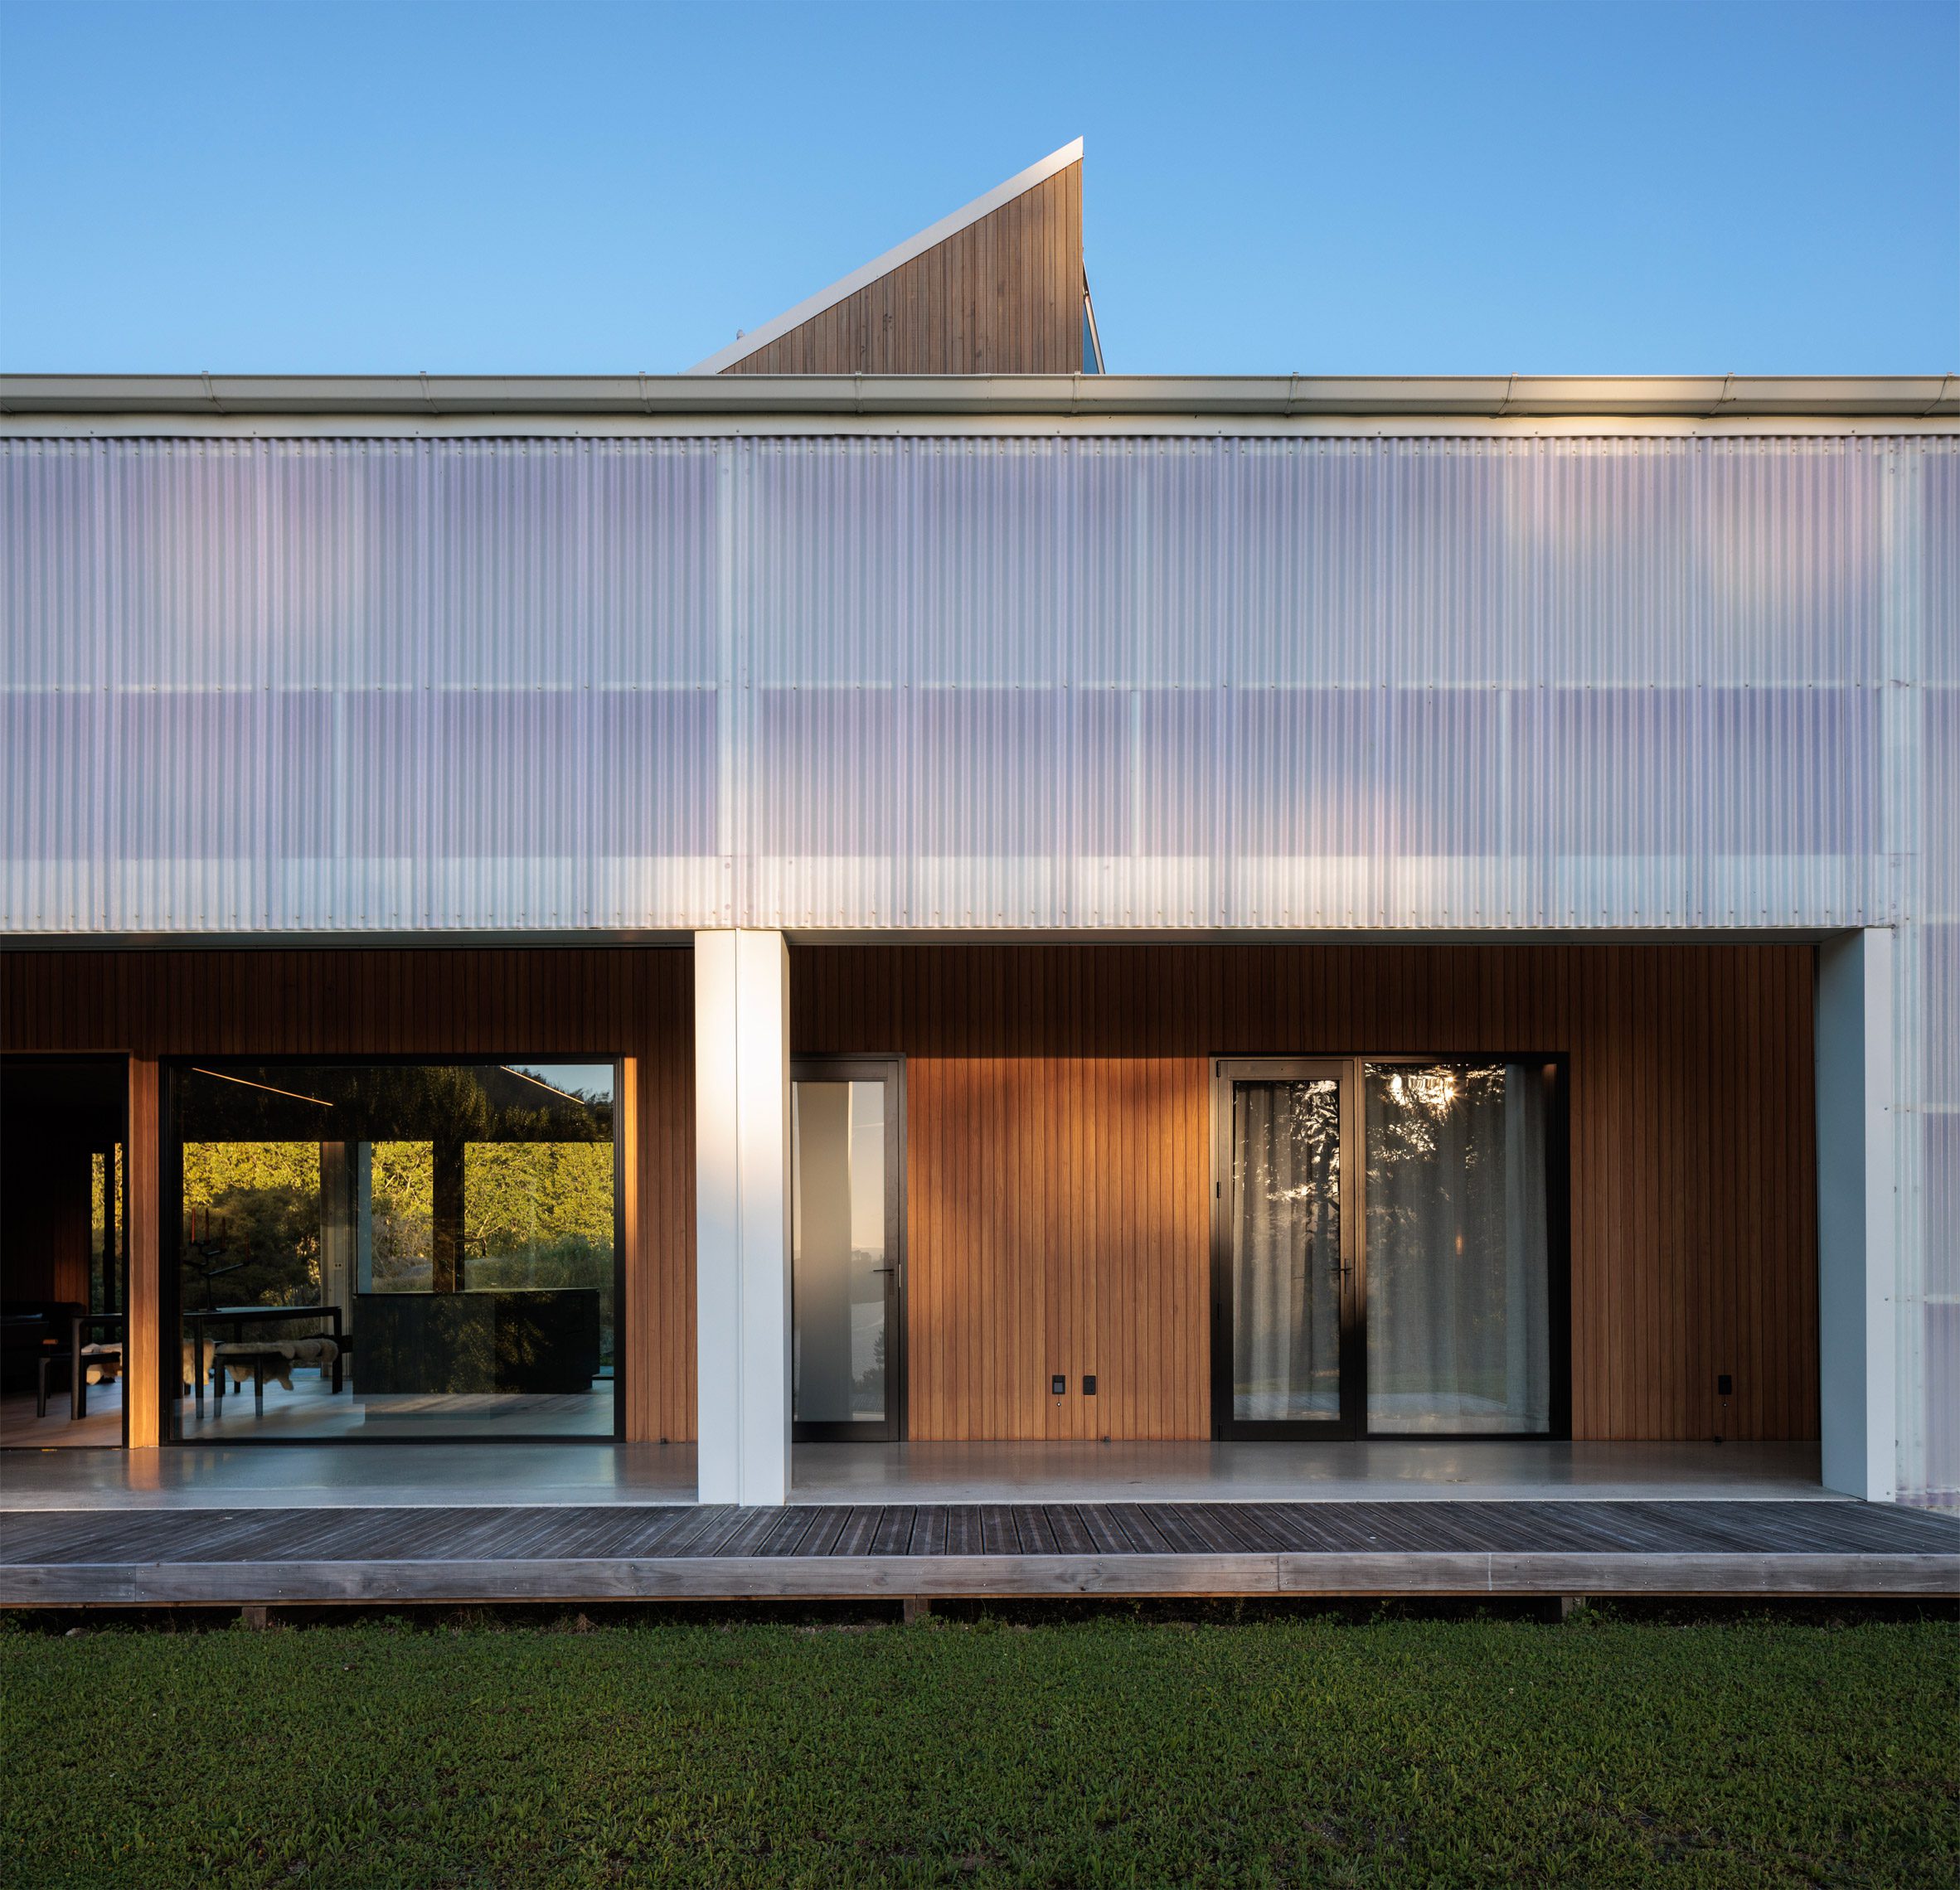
(636,1003)
(1001,295)
(1057,1165)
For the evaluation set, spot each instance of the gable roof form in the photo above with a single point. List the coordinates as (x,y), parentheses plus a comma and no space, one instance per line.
(757,339)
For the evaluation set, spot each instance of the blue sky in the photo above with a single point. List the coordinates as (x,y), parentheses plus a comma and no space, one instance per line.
(1384,188)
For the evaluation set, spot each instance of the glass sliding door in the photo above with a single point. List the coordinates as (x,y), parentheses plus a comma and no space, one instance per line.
(1282,1353)
(388,1251)
(847,1264)
(63,1242)
(1458,1248)
(1388,1248)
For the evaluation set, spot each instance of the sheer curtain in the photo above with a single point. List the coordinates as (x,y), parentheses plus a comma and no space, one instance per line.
(1286,1249)
(1458,1333)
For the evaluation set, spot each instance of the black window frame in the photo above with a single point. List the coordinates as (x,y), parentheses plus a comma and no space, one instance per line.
(1353,1424)
(173,1070)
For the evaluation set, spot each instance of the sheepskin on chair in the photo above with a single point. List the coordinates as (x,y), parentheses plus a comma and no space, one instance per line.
(193,1372)
(102,1365)
(320,1352)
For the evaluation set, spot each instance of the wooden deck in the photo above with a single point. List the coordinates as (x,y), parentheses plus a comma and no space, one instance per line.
(67,1557)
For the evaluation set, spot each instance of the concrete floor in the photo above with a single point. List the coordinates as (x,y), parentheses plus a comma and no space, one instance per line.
(484,1473)
(20,1429)
(1377,1471)
(463,1474)
(311,1411)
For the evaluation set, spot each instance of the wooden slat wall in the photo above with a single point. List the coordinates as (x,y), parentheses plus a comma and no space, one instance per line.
(569,1003)
(1058,1161)
(1058,1167)
(1003,296)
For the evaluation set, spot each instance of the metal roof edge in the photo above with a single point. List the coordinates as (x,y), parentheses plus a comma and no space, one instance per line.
(657,938)
(1028,395)
(988,201)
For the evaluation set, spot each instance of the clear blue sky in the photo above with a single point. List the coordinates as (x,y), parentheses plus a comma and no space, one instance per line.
(1467,188)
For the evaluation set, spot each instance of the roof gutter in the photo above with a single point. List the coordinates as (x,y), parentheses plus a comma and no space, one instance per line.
(1028,395)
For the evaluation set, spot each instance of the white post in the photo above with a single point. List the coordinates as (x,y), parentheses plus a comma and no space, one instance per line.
(1857,1259)
(741,1134)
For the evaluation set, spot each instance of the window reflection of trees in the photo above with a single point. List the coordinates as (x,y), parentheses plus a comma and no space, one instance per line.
(538,1180)
(1298,1164)
(1456,1246)
(1413,1105)
(1431,1144)
(1286,1243)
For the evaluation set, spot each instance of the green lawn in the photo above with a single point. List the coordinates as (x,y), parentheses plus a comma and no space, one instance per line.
(1106,1752)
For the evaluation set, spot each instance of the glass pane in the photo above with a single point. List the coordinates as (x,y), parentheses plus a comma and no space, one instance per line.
(61,1124)
(1458,1337)
(458,1219)
(1286,1249)
(838,1250)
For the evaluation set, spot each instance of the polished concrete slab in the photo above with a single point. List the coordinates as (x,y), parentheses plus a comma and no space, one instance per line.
(460,1475)
(466,1474)
(102,1428)
(1384,1470)
(311,1412)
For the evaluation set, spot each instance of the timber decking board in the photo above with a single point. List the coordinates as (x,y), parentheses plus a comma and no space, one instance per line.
(792,1526)
(896,1532)
(893,1534)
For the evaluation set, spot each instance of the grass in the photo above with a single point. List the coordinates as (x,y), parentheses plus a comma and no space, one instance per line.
(1109,1751)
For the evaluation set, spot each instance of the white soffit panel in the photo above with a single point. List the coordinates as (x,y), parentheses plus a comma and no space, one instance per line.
(746,344)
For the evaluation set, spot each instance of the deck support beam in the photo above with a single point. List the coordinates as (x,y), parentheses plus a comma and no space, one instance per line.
(741,1052)
(1857,1218)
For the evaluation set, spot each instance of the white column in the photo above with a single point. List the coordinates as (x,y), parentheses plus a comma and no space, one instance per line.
(1857,1257)
(741,1134)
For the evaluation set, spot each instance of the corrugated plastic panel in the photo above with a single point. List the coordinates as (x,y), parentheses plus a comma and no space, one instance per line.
(957,681)
(367,684)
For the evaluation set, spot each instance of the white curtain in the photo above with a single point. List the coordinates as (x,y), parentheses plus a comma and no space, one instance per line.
(1458,1333)
(1286,1250)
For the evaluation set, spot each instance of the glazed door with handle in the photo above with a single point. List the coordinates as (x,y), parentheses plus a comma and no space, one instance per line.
(1286,1352)
(847,1248)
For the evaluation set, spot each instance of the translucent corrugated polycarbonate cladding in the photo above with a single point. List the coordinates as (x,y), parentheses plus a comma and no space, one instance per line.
(970,683)
(966,681)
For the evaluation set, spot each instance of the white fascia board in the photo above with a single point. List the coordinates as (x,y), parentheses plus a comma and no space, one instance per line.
(738,402)
(746,345)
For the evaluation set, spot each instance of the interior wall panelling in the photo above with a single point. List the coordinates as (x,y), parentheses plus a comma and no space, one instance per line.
(45,1206)
(1057,1208)
(636,1003)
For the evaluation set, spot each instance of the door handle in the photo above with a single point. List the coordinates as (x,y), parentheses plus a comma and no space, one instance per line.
(884,1269)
